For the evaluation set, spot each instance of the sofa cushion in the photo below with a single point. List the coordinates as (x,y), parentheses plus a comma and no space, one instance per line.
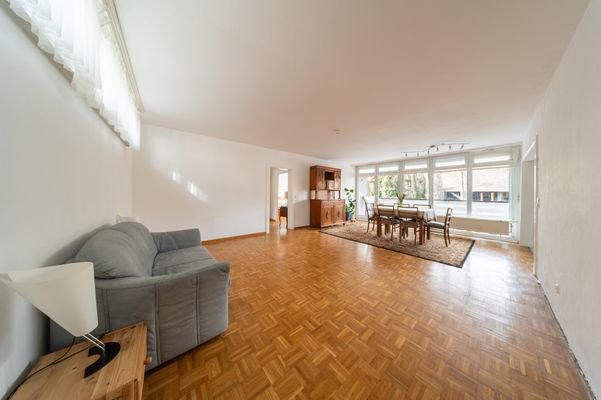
(123,250)
(180,260)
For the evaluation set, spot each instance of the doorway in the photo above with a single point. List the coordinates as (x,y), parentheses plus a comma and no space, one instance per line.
(280,212)
(529,201)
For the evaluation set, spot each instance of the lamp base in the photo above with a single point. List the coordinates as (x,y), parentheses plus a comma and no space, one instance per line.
(110,352)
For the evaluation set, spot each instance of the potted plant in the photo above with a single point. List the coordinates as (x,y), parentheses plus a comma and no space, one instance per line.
(350,204)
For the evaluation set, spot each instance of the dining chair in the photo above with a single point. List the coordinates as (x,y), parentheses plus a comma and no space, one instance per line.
(444,227)
(388,219)
(371,214)
(410,223)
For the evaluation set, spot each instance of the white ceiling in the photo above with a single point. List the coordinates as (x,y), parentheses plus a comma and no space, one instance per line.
(392,75)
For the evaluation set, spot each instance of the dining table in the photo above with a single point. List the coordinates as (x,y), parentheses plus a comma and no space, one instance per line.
(422,214)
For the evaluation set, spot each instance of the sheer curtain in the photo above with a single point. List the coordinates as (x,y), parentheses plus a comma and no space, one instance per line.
(78,35)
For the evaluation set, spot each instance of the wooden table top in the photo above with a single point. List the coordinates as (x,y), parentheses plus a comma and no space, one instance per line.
(65,380)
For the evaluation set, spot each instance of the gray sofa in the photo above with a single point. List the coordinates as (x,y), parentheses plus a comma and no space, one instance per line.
(166,279)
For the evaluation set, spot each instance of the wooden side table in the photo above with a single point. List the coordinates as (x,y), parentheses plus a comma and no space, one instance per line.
(122,378)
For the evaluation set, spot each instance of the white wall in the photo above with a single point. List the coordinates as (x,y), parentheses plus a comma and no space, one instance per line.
(63,173)
(187,180)
(569,164)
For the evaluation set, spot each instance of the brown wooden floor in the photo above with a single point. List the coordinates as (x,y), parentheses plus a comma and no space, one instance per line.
(313,316)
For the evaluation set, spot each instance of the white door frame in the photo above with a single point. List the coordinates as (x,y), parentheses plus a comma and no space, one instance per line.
(291,196)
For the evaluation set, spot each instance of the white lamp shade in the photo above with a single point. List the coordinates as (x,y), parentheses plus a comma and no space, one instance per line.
(66,293)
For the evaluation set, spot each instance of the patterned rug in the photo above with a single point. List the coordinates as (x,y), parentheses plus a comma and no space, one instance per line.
(433,249)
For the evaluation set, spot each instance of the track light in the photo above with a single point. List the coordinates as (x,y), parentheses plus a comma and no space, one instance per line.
(462,147)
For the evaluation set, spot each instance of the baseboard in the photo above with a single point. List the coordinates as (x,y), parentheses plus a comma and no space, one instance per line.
(225,239)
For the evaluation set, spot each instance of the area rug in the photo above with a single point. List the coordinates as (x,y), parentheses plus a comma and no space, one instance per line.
(433,249)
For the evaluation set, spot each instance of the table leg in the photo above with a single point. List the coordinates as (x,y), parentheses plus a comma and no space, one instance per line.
(379,228)
(421,231)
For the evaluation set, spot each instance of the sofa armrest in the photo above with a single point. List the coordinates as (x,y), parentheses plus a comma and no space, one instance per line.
(167,241)
(181,310)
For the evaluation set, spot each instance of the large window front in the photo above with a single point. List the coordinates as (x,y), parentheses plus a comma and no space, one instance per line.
(475,184)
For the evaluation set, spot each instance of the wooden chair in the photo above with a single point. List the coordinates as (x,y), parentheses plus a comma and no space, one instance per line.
(410,223)
(444,227)
(283,213)
(371,214)
(390,222)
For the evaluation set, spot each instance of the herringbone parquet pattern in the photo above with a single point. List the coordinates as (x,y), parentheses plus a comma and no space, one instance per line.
(313,316)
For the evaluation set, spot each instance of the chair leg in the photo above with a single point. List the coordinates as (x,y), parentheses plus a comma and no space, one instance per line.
(445,238)
(449,235)
(428,233)
(367,226)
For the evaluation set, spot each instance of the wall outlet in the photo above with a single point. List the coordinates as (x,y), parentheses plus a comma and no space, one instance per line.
(557,288)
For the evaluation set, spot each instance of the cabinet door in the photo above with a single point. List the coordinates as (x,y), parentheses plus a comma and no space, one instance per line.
(337,180)
(327,212)
(321,179)
(339,214)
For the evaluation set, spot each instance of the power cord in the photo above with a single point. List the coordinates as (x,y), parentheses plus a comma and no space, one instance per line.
(58,360)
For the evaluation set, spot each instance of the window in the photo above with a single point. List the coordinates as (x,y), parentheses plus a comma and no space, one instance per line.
(494,156)
(388,186)
(366,188)
(473,183)
(367,170)
(450,190)
(450,161)
(415,186)
(82,37)
(388,177)
(491,189)
(413,165)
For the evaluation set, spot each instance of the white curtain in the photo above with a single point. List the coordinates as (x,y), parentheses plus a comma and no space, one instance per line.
(78,35)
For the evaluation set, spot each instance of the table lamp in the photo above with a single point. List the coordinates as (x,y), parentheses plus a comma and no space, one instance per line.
(67,294)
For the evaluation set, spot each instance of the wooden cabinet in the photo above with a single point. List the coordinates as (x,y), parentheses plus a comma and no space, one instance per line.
(327,205)
(327,212)
(122,378)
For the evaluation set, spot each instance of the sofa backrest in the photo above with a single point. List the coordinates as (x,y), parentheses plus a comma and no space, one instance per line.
(125,249)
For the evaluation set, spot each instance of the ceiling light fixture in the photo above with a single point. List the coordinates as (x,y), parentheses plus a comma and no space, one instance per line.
(452,146)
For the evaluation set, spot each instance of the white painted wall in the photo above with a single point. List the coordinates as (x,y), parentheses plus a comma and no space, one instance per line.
(63,173)
(188,180)
(568,229)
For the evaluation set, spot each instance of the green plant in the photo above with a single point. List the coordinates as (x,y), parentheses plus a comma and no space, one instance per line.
(401,197)
(350,203)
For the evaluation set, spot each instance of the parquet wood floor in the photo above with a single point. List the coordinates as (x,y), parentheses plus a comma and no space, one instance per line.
(313,316)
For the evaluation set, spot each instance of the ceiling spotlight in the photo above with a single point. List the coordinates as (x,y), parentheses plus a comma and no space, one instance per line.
(428,151)
(449,147)
(436,148)
(462,147)
(405,155)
